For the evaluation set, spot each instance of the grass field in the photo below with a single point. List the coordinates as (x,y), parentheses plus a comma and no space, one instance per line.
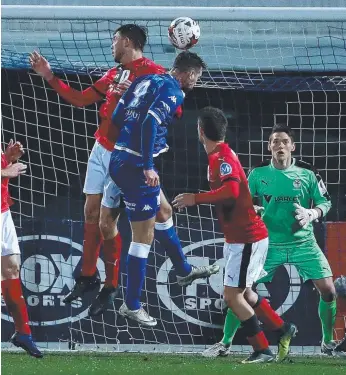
(157,364)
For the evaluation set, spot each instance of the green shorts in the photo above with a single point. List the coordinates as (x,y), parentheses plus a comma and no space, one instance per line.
(309,260)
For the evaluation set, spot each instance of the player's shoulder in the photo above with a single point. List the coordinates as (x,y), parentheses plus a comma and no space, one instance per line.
(150,67)
(264,164)
(306,167)
(111,72)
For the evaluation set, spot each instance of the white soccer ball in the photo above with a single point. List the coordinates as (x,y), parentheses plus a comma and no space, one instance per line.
(184,32)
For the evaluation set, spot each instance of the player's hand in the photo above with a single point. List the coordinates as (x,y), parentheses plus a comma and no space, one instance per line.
(40,65)
(258,209)
(151,177)
(121,87)
(184,200)
(14,151)
(304,215)
(14,170)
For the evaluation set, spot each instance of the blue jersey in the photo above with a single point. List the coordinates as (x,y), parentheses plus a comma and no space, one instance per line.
(143,114)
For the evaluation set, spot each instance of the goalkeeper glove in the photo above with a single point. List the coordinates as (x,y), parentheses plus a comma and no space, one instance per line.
(258,209)
(304,215)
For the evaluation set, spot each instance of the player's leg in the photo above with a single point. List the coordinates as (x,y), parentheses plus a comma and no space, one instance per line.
(109,214)
(313,265)
(12,288)
(142,203)
(240,272)
(166,235)
(93,190)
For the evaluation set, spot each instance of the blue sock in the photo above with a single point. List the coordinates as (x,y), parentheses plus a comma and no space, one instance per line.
(166,235)
(136,269)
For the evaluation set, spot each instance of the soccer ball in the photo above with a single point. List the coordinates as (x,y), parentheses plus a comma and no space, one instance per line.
(184,32)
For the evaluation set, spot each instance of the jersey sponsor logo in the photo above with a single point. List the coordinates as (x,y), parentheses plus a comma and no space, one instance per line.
(225,169)
(173,99)
(202,302)
(287,199)
(130,206)
(297,183)
(47,275)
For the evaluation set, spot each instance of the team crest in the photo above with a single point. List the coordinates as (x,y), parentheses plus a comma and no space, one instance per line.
(297,183)
(225,169)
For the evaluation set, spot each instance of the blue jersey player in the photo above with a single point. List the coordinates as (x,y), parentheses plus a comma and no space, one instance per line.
(143,114)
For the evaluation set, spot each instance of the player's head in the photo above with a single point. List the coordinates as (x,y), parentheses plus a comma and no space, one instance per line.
(187,68)
(212,125)
(281,142)
(128,37)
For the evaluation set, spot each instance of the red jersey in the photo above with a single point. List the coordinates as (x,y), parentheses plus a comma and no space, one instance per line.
(237,217)
(107,133)
(5,195)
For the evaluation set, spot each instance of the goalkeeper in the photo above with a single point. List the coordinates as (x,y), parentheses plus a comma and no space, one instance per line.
(287,189)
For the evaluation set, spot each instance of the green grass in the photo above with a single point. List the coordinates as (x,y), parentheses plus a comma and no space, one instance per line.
(157,364)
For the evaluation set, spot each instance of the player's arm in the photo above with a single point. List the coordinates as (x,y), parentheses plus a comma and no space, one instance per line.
(229,189)
(77,98)
(320,200)
(319,195)
(252,181)
(13,170)
(165,104)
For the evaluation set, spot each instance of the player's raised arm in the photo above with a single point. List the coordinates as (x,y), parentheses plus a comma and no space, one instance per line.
(77,98)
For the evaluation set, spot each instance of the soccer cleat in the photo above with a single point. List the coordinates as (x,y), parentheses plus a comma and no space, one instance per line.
(340,348)
(260,357)
(83,284)
(217,350)
(334,349)
(103,300)
(290,331)
(140,316)
(197,273)
(27,343)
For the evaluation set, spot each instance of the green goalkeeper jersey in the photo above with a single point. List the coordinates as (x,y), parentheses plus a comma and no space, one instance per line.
(278,189)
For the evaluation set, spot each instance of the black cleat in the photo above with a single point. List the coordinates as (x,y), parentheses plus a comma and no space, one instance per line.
(105,298)
(83,284)
(27,343)
(340,348)
(260,357)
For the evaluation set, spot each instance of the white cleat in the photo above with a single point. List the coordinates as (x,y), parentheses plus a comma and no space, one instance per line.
(334,349)
(140,316)
(217,350)
(197,273)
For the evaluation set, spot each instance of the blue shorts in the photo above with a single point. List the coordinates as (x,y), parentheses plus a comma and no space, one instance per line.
(142,201)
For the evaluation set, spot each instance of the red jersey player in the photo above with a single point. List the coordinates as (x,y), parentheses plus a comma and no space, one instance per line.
(10,253)
(246,237)
(102,195)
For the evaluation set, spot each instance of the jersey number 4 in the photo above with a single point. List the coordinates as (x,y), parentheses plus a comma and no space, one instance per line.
(139,91)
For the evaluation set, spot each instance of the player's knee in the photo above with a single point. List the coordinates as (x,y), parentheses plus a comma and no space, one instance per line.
(10,271)
(164,213)
(326,289)
(328,295)
(108,223)
(91,214)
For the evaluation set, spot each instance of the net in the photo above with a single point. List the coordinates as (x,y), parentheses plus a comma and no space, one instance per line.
(260,71)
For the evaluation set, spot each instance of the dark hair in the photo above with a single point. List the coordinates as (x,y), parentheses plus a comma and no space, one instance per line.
(282,128)
(137,34)
(213,123)
(186,61)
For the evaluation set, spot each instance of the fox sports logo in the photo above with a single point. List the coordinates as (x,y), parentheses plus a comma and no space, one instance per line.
(47,275)
(202,303)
